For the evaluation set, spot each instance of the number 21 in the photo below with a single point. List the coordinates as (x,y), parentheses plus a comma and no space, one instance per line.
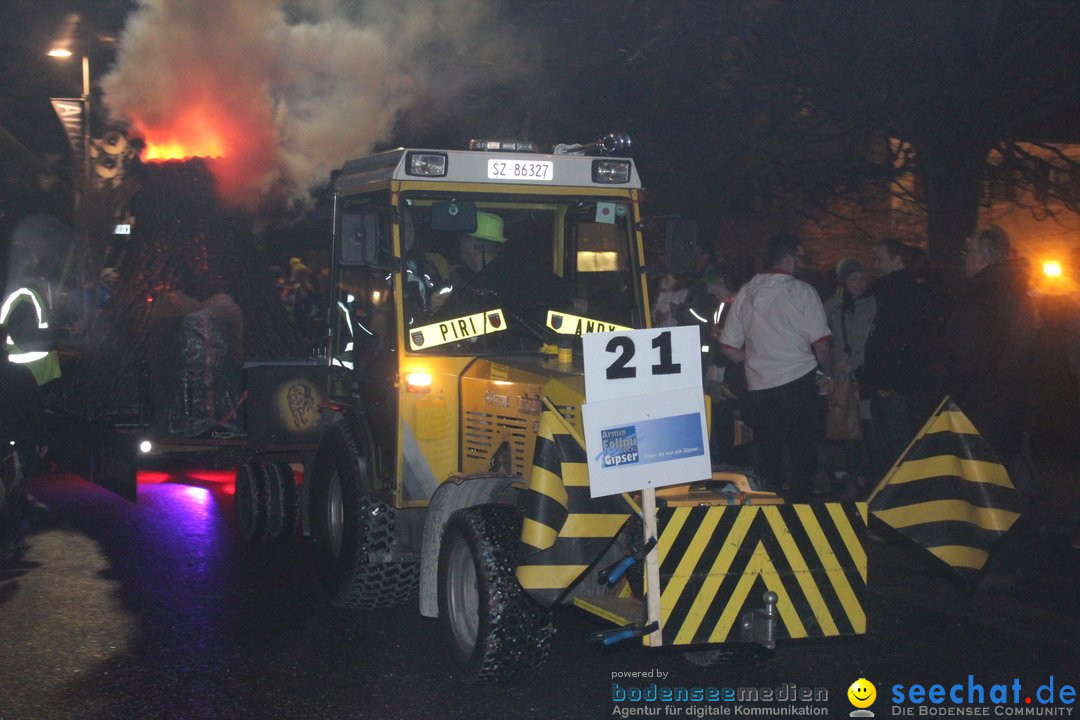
(624,346)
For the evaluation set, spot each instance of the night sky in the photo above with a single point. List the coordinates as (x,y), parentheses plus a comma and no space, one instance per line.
(748,116)
(28,77)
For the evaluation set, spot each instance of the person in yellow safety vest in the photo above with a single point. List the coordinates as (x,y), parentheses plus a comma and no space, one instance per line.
(26,315)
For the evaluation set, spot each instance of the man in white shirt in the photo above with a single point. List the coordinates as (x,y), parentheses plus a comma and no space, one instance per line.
(777,329)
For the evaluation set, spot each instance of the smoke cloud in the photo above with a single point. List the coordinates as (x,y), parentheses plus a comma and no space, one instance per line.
(286,91)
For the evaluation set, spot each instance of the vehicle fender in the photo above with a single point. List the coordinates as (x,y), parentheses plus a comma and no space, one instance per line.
(455,493)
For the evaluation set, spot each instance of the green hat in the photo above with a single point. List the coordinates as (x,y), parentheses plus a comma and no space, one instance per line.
(489,227)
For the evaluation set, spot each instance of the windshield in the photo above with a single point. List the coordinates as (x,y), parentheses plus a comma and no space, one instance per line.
(534,269)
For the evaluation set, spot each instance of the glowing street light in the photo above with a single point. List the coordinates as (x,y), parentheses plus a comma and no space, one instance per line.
(1051,268)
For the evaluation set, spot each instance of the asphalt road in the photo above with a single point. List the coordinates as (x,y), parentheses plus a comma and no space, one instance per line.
(159,610)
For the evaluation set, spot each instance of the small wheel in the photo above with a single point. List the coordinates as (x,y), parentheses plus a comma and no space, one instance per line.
(281,500)
(249,502)
(495,630)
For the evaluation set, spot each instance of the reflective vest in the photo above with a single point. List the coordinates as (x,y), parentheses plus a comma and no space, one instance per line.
(44,364)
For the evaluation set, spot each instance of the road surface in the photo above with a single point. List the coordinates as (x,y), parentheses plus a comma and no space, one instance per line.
(159,610)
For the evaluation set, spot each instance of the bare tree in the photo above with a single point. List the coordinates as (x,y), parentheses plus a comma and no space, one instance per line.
(959,85)
(768,108)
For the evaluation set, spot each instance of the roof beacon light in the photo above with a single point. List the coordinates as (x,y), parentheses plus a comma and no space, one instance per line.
(610,144)
(503,146)
(426,164)
(614,143)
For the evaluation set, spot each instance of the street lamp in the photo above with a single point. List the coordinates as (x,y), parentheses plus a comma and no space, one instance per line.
(70,37)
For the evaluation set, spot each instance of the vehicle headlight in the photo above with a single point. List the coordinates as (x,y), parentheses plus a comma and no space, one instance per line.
(611,172)
(426,164)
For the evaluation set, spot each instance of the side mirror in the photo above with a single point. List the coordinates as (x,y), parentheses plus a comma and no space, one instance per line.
(679,242)
(455,216)
(361,237)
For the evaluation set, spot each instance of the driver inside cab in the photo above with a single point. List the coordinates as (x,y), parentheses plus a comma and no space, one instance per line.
(489,266)
(478,248)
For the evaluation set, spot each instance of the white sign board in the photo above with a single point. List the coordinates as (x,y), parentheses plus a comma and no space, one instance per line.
(644,414)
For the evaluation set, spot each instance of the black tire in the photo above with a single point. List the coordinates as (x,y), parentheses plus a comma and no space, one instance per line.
(281,500)
(495,630)
(249,502)
(353,533)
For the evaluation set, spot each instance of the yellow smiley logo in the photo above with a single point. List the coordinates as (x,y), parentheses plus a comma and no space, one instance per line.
(862,693)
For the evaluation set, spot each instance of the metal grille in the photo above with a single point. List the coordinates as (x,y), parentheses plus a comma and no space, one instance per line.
(485,432)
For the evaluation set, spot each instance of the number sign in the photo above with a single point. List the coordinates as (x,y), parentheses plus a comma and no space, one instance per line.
(645,412)
(641,362)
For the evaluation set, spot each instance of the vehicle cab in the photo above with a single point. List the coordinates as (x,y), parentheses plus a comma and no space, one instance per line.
(447,260)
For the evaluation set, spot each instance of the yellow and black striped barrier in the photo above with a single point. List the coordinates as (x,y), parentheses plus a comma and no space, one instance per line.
(949,492)
(717,562)
(565,529)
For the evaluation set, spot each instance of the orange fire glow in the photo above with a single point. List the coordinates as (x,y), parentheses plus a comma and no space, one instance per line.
(240,148)
(178,150)
(194,133)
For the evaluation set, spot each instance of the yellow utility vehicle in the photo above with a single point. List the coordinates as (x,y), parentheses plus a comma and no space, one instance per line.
(450,459)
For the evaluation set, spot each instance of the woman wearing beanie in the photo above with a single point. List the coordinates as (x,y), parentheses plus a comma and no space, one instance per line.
(850,313)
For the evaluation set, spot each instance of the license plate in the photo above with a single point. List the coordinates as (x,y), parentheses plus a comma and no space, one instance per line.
(520,170)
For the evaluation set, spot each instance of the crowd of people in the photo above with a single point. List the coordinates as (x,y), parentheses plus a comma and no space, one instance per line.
(834,389)
(818,395)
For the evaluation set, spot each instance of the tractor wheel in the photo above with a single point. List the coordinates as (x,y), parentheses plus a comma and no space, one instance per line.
(353,533)
(495,630)
(249,502)
(281,500)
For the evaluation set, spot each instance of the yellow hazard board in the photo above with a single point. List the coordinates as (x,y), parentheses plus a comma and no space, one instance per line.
(565,529)
(716,563)
(949,492)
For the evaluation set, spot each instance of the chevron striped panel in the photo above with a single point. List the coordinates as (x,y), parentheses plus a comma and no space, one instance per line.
(565,530)
(949,492)
(717,562)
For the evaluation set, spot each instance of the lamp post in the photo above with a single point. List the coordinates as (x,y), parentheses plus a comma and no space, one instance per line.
(62,49)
